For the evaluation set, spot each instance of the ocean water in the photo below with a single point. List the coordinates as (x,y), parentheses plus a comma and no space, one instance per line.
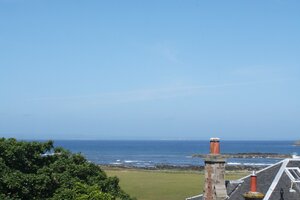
(176,153)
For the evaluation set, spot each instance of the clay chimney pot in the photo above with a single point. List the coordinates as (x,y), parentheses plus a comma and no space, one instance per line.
(214,145)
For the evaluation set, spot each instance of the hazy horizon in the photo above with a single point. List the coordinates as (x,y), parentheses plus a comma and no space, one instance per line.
(154,139)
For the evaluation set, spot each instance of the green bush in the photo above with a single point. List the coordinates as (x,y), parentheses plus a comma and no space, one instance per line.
(37,170)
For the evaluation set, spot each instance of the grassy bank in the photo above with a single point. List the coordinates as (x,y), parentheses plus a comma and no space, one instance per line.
(167,185)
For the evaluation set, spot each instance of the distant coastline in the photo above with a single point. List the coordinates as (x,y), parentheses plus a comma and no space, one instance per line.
(297,143)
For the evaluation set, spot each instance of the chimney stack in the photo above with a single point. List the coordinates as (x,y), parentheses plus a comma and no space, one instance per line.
(214,187)
(253,194)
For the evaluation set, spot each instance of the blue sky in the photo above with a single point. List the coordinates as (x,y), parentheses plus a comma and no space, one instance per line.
(150,69)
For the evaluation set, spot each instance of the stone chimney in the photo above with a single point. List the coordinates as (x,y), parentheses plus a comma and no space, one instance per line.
(214,187)
(253,194)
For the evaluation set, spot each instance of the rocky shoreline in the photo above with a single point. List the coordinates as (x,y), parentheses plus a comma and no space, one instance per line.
(249,155)
(229,167)
(184,168)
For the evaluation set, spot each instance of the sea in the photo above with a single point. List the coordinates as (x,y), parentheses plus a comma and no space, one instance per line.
(148,154)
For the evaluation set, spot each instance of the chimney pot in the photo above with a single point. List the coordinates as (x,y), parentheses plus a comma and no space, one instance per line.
(214,145)
(253,182)
(253,194)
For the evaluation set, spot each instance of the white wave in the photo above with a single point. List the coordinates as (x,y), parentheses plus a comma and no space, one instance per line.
(115,163)
(132,161)
(258,164)
(249,164)
(234,163)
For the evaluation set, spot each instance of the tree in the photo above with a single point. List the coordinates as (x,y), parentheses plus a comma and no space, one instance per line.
(37,170)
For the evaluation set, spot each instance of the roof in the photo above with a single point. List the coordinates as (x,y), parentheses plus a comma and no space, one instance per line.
(265,178)
(280,181)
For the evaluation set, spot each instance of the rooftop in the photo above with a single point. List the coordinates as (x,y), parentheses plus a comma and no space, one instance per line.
(280,181)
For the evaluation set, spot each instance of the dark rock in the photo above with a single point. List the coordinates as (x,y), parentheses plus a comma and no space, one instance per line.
(249,155)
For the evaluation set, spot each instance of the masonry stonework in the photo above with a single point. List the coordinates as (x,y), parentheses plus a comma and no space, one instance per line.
(214,188)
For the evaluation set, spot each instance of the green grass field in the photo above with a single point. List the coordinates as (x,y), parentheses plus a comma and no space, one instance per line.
(166,185)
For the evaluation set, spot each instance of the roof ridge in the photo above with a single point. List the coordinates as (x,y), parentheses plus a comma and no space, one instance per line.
(280,162)
(276,179)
